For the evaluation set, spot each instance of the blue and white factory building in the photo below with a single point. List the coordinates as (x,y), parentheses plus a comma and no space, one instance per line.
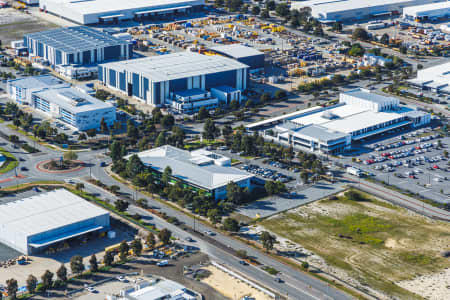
(80,45)
(154,79)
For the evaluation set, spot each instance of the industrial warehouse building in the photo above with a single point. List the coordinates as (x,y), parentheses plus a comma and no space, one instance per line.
(246,55)
(60,101)
(33,224)
(113,11)
(436,79)
(200,169)
(158,80)
(348,10)
(80,45)
(331,130)
(427,12)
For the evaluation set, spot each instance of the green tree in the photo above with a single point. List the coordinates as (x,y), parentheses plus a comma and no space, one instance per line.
(121,205)
(31,284)
(166,175)
(132,131)
(103,125)
(161,139)
(267,240)
(11,288)
(108,259)
(136,246)
(76,264)
(270,5)
(384,39)
(230,224)
(356,50)
(167,121)
(93,263)
(47,280)
(265,14)
(164,236)
(123,251)
(214,215)
(337,26)
(282,10)
(134,166)
(256,10)
(70,155)
(115,151)
(203,113)
(360,34)
(150,240)
(61,273)
(210,131)
(234,193)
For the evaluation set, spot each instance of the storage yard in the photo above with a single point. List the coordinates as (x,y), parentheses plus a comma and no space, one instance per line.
(370,243)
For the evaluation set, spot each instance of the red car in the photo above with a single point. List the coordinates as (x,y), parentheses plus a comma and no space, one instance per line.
(412,176)
(435,167)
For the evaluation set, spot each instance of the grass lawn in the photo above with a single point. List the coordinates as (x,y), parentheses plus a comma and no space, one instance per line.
(375,242)
(10,163)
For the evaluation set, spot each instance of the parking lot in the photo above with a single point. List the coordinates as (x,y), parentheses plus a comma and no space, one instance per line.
(414,161)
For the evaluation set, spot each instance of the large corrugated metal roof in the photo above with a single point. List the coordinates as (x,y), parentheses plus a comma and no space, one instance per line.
(108,6)
(191,168)
(329,6)
(176,66)
(46,211)
(237,50)
(76,39)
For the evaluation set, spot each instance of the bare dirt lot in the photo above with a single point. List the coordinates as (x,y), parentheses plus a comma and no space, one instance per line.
(14,24)
(371,243)
(230,286)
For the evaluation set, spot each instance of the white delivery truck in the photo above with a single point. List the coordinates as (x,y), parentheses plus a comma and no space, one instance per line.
(354,171)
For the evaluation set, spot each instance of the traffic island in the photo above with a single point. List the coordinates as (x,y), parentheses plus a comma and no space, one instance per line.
(60,167)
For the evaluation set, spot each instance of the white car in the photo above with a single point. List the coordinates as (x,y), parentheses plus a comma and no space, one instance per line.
(91,289)
(121,278)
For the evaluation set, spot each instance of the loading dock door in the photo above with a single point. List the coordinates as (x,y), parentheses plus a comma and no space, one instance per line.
(130,89)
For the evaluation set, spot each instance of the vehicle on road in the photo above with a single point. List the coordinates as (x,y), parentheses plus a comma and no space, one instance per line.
(91,289)
(121,278)
(243,262)
(163,263)
(279,280)
(23,169)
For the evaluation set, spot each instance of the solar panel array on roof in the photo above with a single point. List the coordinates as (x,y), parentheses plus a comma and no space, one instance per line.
(75,39)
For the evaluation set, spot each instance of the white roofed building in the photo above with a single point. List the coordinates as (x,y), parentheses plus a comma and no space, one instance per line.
(359,115)
(32,224)
(436,79)
(346,10)
(201,169)
(113,11)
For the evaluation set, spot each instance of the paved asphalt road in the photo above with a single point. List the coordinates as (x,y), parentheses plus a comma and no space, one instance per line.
(297,285)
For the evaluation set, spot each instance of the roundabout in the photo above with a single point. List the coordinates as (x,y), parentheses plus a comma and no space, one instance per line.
(60,167)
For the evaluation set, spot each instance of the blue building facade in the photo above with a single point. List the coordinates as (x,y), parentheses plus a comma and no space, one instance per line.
(155,87)
(76,45)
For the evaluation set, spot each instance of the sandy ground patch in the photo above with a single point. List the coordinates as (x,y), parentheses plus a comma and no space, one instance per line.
(434,286)
(230,286)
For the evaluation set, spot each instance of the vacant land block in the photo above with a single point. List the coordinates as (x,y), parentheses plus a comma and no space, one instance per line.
(14,24)
(372,241)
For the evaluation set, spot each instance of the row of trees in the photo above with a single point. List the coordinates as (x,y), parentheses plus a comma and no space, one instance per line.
(77,266)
